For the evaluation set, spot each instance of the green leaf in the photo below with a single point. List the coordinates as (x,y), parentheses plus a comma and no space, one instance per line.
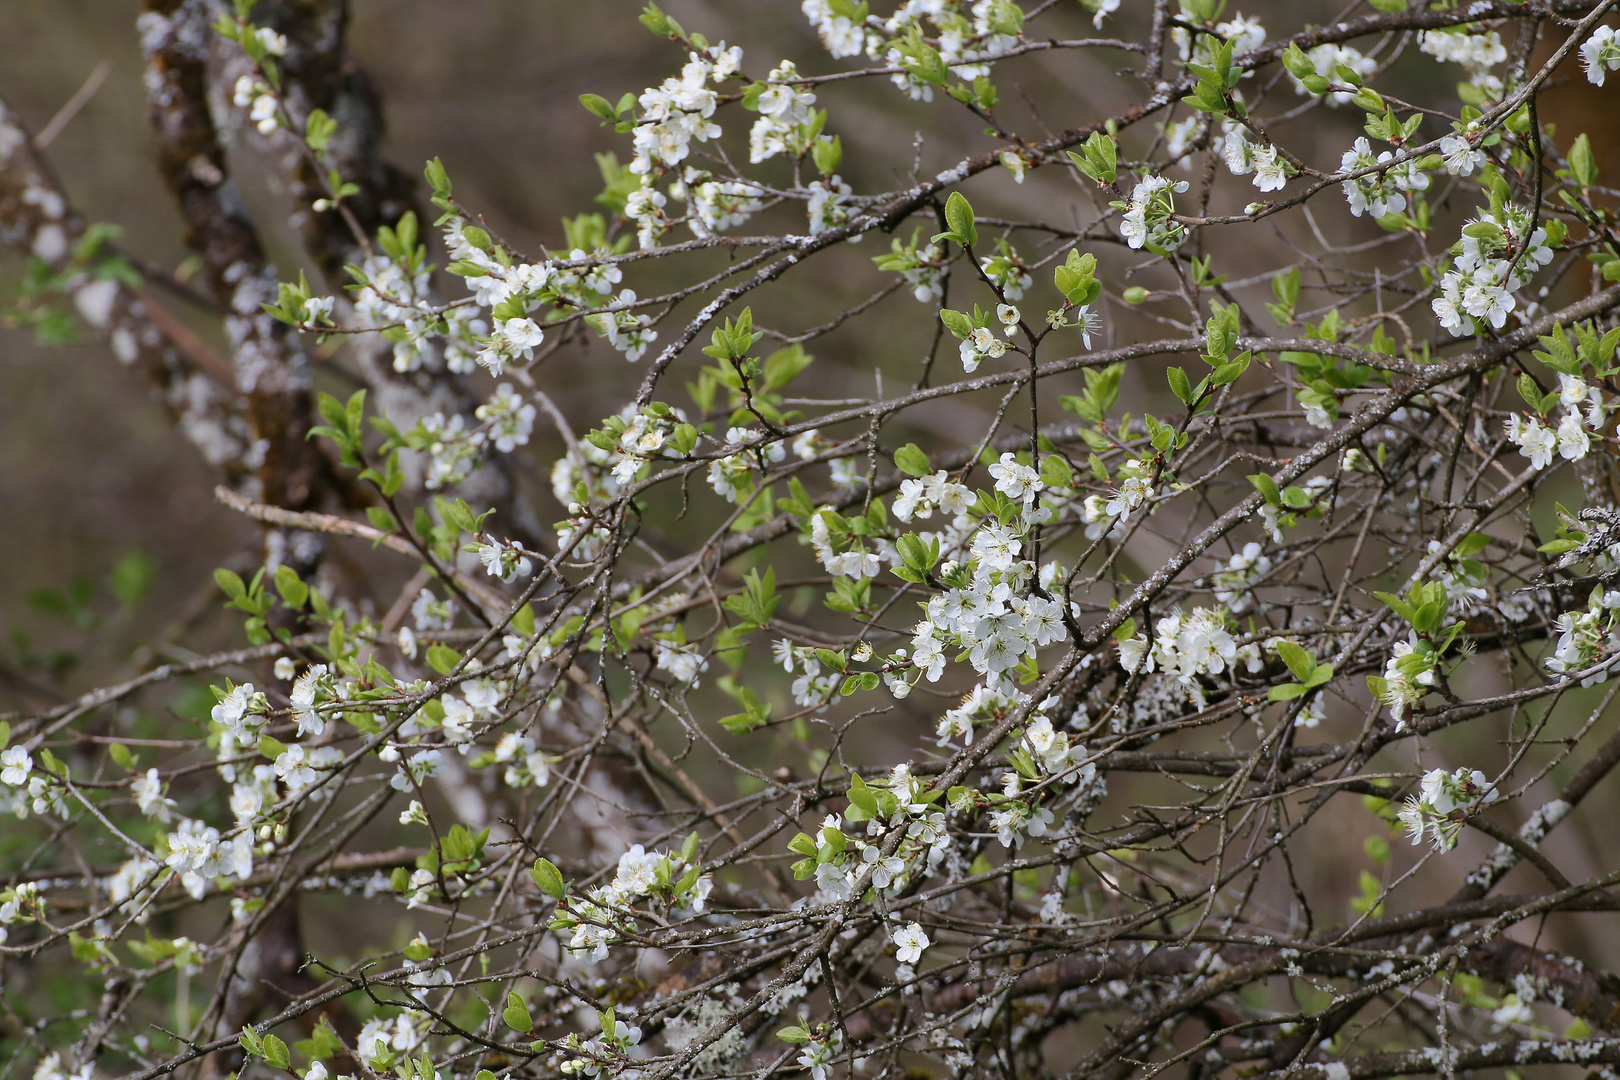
(1098,158)
(861,796)
(271,748)
(442,658)
(318,130)
(459,514)
(1300,662)
(828,154)
(1076,278)
(910,460)
(741,723)
(1398,606)
(1487,232)
(230,583)
(131,578)
(516,1014)
(291,587)
(798,501)
(959,216)
(659,23)
(866,680)
(956,322)
(437,178)
(1056,472)
(1228,373)
(1220,333)
(275,1052)
(1530,391)
(785,365)
(549,879)
(1267,487)
(1581,164)
(833,659)
(599,106)
(1180,386)
(1428,617)
(322,1044)
(1285,692)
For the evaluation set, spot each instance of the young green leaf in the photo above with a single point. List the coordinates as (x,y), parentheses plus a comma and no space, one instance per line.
(549,880)
(959,216)
(910,460)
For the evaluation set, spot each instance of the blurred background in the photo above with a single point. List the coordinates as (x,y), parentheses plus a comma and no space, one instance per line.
(110,527)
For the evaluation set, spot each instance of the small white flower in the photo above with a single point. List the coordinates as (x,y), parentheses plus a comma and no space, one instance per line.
(458,719)
(303,698)
(1461,156)
(17,764)
(1016,481)
(978,345)
(1601,54)
(293,768)
(1270,169)
(1573,443)
(1533,440)
(148,791)
(263,114)
(235,707)
(506,562)
(275,44)
(833,879)
(1103,9)
(910,941)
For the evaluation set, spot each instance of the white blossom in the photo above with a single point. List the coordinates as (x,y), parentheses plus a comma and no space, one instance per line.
(17,763)
(1600,53)
(910,941)
(1441,796)
(148,792)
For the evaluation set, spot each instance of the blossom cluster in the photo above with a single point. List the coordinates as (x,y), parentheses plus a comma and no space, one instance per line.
(1496,256)
(1054,605)
(1444,799)
(598,920)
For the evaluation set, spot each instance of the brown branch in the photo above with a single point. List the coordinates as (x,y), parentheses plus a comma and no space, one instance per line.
(492,599)
(272,371)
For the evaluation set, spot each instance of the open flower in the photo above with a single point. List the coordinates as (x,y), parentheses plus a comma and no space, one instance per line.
(910,941)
